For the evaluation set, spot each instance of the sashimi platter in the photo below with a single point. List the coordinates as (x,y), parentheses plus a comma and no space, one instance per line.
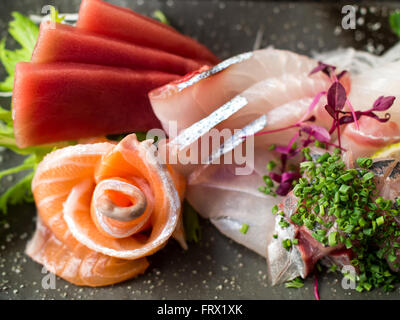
(199,150)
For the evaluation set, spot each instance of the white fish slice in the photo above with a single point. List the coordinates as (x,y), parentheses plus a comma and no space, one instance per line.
(200,128)
(185,140)
(231,201)
(238,138)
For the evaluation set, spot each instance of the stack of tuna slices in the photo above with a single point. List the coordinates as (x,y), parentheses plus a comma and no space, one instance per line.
(93,79)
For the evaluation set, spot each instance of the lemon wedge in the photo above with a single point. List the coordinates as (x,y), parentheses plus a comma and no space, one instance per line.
(391,151)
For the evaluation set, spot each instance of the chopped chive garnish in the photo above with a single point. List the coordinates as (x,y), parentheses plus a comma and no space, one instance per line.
(380,221)
(365,163)
(296,283)
(332,239)
(271,165)
(244,228)
(330,196)
(368,176)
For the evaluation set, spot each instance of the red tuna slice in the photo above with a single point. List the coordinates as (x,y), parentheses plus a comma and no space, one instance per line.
(124,24)
(66,101)
(64,43)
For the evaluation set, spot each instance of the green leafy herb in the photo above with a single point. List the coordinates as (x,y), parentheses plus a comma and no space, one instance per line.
(159,15)
(244,228)
(296,283)
(21,190)
(25,33)
(191,223)
(394,21)
(54,15)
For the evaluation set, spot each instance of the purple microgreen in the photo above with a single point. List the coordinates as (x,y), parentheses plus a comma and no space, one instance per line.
(370,114)
(331,111)
(290,176)
(275,176)
(341,74)
(312,106)
(353,114)
(336,96)
(319,133)
(323,67)
(284,188)
(308,133)
(383,103)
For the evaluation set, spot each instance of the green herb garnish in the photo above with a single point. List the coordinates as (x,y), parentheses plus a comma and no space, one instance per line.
(244,228)
(296,283)
(394,21)
(25,33)
(364,222)
(159,15)
(191,223)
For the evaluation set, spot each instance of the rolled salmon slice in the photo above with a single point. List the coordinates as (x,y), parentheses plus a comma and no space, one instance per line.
(64,43)
(129,158)
(67,101)
(104,201)
(124,24)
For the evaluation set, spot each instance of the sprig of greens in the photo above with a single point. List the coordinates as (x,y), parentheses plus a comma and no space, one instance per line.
(394,21)
(296,283)
(25,33)
(54,15)
(191,223)
(159,15)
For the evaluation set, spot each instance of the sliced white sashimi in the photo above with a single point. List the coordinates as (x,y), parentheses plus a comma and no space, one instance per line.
(188,101)
(371,84)
(231,201)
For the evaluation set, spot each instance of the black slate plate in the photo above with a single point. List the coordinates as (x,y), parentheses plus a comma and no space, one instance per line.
(215,268)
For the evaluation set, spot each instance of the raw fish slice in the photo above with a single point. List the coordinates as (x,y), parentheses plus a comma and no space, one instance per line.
(284,98)
(195,96)
(371,84)
(78,264)
(299,260)
(56,175)
(63,188)
(371,136)
(289,114)
(64,43)
(81,242)
(230,200)
(66,101)
(124,24)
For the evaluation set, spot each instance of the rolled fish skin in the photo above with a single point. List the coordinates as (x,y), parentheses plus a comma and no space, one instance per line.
(229,200)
